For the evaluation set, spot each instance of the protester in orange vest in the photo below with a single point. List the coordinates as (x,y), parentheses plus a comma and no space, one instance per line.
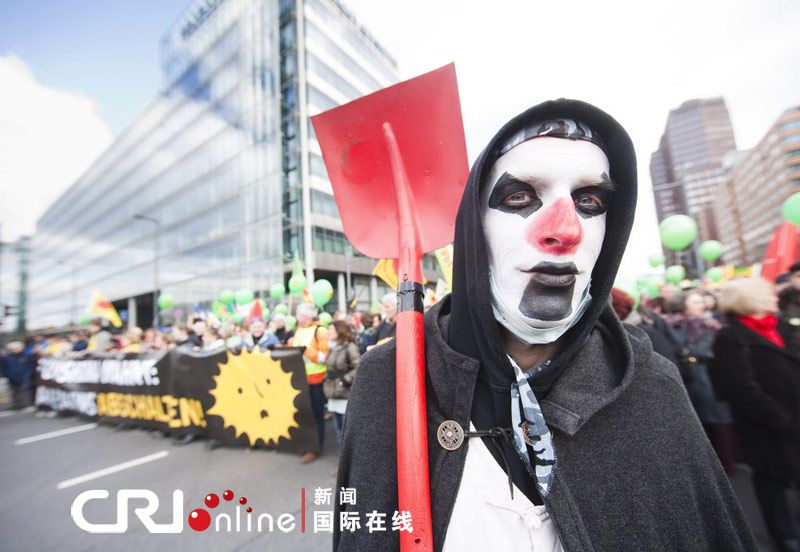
(314,338)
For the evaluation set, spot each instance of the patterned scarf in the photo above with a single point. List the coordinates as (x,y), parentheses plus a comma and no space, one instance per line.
(532,431)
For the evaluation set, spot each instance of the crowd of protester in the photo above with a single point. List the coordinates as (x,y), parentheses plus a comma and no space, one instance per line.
(331,354)
(735,344)
(736,347)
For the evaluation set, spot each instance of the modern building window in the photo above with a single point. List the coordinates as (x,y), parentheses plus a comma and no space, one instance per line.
(329,241)
(323,204)
(790,125)
(320,100)
(330,76)
(317,166)
(343,30)
(341,56)
(793,139)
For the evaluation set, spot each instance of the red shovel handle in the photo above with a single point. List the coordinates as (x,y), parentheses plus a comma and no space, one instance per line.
(413,487)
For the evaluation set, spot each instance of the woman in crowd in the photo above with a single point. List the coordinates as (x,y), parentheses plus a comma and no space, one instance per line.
(695,333)
(756,371)
(342,364)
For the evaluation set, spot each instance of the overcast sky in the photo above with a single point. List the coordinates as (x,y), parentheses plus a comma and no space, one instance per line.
(636,60)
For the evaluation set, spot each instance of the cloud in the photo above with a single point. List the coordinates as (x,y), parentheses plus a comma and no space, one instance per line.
(48,138)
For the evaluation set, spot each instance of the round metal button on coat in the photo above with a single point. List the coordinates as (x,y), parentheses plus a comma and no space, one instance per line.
(450,435)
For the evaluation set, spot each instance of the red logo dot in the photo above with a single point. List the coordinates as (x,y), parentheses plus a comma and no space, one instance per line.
(243,501)
(249,509)
(212,500)
(199,519)
(228,495)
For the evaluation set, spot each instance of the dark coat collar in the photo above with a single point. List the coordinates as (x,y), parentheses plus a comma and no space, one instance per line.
(600,371)
(749,338)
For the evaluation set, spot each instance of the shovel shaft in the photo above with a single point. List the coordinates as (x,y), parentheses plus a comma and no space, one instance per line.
(412,437)
(413,487)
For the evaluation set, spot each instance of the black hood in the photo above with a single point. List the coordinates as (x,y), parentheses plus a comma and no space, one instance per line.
(473,330)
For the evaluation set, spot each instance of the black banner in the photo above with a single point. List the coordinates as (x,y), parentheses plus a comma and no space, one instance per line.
(251,399)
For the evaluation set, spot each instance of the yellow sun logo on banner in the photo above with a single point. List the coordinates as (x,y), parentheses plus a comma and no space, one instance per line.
(255,397)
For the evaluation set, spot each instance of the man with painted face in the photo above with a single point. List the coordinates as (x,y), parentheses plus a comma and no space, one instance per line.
(551,426)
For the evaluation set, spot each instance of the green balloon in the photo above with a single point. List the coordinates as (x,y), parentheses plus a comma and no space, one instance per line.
(297,284)
(281,309)
(166,301)
(714,274)
(277,291)
(675,274)
(244,296)
(321,292)
(291,323)
(237,318)
(791,209)
(233,341)
(652,290)
(219,309)
(656,260)
(677,232)
(710,250)
(630,288)
(227,296)
(325,319)
(84,319)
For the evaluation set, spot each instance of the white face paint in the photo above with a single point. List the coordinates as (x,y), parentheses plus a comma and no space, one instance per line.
(544,219)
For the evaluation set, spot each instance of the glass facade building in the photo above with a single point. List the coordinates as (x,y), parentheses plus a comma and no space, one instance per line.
(220,180)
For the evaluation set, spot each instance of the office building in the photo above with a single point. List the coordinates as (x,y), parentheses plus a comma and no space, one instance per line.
(748,202)
(219,181)
(688,166)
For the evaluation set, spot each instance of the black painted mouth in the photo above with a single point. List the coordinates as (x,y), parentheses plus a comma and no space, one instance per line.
(552,274)
(548,295)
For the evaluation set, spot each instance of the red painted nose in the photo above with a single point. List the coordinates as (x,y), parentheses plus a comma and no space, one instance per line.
(557,230)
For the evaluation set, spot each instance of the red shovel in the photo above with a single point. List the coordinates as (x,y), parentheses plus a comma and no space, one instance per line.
(397,160)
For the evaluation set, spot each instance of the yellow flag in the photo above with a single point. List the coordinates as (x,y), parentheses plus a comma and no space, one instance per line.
(386,271)
(103,308)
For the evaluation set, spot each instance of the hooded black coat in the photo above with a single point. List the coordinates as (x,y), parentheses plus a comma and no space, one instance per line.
(635,471)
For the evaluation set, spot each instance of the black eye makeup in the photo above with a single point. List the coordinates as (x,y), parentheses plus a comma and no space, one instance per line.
(511,195)
(591,201)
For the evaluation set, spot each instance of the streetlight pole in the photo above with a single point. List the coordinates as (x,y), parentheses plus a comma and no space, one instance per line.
(348,252)
(157,226)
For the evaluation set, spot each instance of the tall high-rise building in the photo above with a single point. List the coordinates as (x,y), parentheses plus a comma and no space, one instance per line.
(748,204)
(219,181)
(688,165)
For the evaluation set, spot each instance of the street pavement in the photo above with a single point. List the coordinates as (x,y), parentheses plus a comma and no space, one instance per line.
(35,512)
(41,475)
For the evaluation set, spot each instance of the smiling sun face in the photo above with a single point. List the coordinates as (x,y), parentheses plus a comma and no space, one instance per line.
(255,397)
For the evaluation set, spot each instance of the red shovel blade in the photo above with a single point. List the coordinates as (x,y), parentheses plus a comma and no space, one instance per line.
(425,116)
